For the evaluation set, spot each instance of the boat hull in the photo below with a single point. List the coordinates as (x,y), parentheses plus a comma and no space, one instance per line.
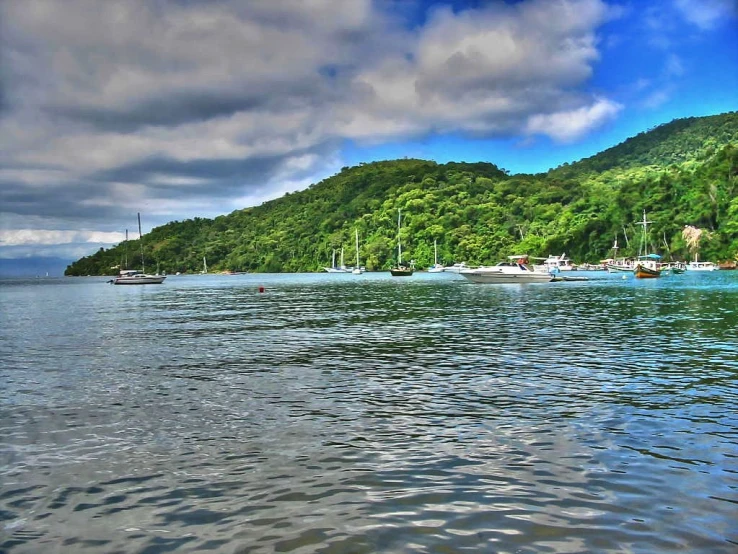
(145,280)
(489,276)
(611,268)
(401,272)
(643,272)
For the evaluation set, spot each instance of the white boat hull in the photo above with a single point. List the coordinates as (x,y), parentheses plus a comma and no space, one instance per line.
(505,275)
(140,280)
(701,266)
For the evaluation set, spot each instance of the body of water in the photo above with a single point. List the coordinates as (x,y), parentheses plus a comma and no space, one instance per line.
(358,414)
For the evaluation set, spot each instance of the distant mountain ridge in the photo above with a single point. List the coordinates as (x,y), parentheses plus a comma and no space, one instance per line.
(682,173)
(681,140)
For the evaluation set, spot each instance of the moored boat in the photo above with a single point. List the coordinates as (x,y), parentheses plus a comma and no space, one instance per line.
(401,270)
(643,271)
(456,268)
(701,266)
(648,266)
(554,264)
(136,277)
(436,267)
(514,271)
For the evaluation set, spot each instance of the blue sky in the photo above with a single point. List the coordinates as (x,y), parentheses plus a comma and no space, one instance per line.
(181,109)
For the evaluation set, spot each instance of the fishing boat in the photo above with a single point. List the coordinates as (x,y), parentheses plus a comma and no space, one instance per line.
(701,266)
(516,270)
(676,268)
(401,270)
(618,265)
(134,276)
(644,271)
(648,265)
(436,267)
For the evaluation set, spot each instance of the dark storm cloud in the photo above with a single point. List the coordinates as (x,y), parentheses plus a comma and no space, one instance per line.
(201,105)
(218,178)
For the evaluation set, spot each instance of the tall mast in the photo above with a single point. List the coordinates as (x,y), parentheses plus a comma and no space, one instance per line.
(399,247)
(644,240)
(357,248)
(140,239)
(126,249)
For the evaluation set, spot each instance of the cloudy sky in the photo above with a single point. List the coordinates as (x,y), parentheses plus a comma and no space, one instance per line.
(184,108)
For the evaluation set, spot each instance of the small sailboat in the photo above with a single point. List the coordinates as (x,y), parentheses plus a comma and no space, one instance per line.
(334,268)
(436,267)
(134,276)
(400,270)
(357,270)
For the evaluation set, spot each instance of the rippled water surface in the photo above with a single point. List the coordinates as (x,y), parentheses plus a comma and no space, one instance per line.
(352,414)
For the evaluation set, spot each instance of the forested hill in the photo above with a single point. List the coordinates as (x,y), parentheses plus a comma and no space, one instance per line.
(682,140)
(682,173)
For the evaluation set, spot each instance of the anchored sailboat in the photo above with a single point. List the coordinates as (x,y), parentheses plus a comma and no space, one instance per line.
(400,270)
(357,270)
(134,276)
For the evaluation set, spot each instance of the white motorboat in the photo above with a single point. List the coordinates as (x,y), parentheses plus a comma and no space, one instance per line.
(554,264)
(136,277)
(456,268)
(514,271)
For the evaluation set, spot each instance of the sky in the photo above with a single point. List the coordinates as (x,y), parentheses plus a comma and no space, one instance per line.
(177,109)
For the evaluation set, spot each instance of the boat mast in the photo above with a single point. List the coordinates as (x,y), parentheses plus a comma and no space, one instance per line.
(140,238)
(644,240)
(399,247)
(357,248)
(435,253)
(126,250)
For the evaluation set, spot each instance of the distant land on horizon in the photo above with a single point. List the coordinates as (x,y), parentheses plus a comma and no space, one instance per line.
(33,267)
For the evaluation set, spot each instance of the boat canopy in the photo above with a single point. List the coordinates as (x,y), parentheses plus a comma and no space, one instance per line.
(650,257)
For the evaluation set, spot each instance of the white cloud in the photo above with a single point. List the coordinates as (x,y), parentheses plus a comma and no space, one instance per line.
(20,237)
(178,109)
(569,125)
(707,14)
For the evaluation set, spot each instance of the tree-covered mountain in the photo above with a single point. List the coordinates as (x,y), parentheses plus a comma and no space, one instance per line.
(681,173)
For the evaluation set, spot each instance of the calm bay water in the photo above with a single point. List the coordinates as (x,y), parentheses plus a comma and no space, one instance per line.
(352,414)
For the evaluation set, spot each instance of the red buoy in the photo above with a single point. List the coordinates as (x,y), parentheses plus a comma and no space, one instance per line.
(261,288)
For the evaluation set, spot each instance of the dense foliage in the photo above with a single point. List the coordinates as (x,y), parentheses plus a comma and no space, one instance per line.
(681,173)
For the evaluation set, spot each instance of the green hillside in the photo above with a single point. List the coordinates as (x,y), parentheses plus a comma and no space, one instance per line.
(682,173)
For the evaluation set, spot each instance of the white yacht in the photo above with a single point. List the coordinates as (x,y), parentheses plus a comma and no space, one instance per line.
(136,277)
(515,271)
